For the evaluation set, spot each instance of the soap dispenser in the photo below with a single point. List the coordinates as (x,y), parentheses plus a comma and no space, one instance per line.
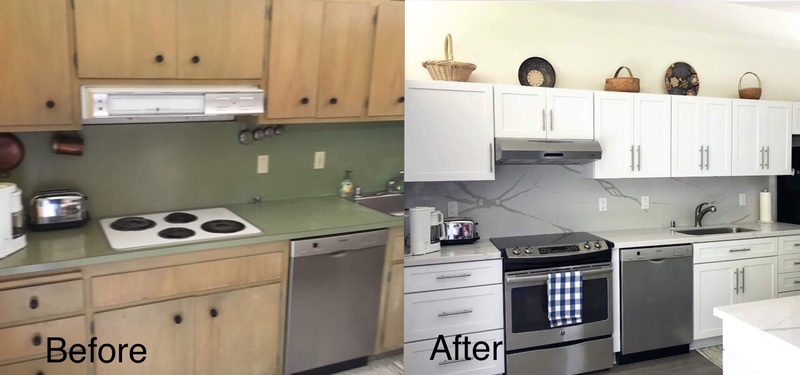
(346,189)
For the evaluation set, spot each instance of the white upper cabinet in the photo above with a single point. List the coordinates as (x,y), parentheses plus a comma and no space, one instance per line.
(449,133)
(543,113)
(796,118)
(761,137)
(652,130)
(701,136)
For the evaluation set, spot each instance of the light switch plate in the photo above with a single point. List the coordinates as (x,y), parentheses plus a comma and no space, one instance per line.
(452,209)
(742,199)
(645,202)
(603,204)
(263,164)
(319,160)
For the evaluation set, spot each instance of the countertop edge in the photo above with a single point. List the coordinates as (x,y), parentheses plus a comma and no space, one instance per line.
(720,312)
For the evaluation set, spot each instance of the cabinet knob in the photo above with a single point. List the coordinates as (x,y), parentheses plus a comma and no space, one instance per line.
(37,340)
(304,101)
(401,99)
(33,303)
(159,58)
(50,104)
(195,59)
(178,319)
(213,313)
(333,101)
(39,372)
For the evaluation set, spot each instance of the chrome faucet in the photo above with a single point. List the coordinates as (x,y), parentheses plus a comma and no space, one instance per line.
(395,184)
(699,212)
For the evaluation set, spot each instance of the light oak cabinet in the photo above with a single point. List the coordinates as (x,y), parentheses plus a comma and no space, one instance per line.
(211,39)
(543,113)
(35,68)
(762,141)
(42,367)
(388,65)
(390,320)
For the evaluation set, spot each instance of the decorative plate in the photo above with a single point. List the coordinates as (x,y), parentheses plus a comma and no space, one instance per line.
(536,71)
(681,79)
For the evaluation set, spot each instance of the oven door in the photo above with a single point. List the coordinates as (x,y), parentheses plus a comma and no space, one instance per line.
(526,307)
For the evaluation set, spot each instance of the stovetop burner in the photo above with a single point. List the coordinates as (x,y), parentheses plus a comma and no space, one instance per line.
(176,233)
(134,223)
(222,226)
(180,218)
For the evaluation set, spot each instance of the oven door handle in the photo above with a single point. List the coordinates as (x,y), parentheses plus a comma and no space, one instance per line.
(544,276)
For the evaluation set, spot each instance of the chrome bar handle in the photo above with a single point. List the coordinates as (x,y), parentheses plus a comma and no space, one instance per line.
(797,244)
(491,157)
(544,121)
(631,158)
(736,288)
(639,158)
(447,362)
(739,250)
(707,157)
(551,120)
(766,165)
(445,277)
(797,281)
(762,159)
(451,313)
(743,280)
(701,158)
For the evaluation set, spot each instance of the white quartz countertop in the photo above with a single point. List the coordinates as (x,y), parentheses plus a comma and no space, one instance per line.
(481,250)
(779,318)
(669,236)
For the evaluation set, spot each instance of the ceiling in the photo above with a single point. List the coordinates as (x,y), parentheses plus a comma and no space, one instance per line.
(784,6)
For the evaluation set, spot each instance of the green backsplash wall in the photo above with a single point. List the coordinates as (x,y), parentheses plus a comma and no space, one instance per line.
(128,169)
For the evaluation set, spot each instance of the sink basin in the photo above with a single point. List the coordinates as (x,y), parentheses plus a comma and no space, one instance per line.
(388,203)
(707,231)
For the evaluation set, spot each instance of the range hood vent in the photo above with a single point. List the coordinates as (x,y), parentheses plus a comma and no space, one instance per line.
(520,151)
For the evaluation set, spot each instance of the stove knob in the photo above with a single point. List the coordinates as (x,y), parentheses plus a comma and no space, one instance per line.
(597,244)
(516,251)
(528,250)
(587,246)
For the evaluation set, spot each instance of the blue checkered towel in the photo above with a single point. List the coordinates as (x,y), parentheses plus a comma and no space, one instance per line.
(564,298)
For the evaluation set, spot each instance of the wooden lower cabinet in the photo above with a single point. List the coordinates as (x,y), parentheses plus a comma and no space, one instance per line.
(42,367)
(392,330)
(238,332)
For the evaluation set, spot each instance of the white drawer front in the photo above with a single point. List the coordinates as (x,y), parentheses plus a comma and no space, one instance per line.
(789,263)
(417,357)
(789,294)
(789,282)
(453,275)
(789,245)
(734,250)
(450,312)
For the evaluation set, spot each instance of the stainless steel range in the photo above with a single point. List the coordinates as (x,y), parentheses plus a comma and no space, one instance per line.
(533,347)
(139,232)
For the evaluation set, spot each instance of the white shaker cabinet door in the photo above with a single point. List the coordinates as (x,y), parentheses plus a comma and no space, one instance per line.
(717,136)
(759,279)
(796,118)
(449,131)
(687,136)
(749,138)
(570,114)
(613,117)
(652,133)
(715,284)
(778,153)
(519,112)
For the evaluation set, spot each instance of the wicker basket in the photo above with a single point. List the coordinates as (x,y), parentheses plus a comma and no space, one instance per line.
(623,84)
(750,92)
(447,69)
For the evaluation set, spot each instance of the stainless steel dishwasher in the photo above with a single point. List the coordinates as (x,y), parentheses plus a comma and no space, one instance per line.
(334,296)
(656,297)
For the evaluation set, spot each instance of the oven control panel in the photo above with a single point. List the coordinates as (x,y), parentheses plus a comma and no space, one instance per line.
(556,250)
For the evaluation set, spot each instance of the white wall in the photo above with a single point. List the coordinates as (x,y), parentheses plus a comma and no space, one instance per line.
(587,42)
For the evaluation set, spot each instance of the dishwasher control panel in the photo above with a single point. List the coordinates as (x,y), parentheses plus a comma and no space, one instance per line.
(656,253)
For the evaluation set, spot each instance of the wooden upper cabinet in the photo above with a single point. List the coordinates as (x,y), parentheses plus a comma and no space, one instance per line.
(294,58)
(221,38)
(348,35)
(126,38)
(35,63)
(388,67)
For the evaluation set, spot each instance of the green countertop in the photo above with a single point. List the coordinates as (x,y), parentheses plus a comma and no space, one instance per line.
(278,220)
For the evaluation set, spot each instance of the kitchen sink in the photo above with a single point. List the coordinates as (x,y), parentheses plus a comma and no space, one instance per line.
(388,203)
(707,231)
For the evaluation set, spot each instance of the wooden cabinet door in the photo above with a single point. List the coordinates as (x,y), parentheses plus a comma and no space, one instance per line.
(749,138)
(652,130)
(348,35)
(238,332)
(571,114)
(42,367)
(35,63)
(126,38)
(388,66)
(717,129)
(221,38)
(391,336)
(294,58)
(715,284)
(519,112)
(613,117)
(687,136)
(165,329)
(759,279)
(778,155)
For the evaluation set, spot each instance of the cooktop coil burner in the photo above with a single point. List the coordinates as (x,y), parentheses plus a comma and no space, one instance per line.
(222,226)
(176,233)
(180,218)
(134,223)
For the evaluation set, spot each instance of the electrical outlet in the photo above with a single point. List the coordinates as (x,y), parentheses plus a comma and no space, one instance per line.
(452,209)
(603,204)
(742,199)
(645,202)
(263,164)
(319,160)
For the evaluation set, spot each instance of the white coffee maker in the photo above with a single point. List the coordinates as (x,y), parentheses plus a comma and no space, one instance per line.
(426,230)
(12,220)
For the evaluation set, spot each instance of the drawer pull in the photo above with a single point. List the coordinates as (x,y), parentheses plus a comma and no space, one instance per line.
(797,244)
(797,281)
(465,311)
(177,319)
(738,250)
(34,303)
(213,313)
(37,340)
(39,372)
(796,263)
(447,362)
(443,277)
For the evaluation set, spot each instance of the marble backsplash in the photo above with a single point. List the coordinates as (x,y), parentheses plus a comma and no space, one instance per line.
(549,199)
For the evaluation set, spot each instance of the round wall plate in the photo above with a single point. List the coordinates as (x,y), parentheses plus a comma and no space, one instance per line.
(681,79)
(536,71)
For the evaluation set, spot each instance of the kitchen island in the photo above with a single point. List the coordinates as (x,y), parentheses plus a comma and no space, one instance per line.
(761,337)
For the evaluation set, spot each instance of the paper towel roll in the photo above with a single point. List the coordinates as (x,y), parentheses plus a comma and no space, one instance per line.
(765,207)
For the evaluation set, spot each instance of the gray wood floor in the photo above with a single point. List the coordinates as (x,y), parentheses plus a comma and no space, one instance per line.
(690,363)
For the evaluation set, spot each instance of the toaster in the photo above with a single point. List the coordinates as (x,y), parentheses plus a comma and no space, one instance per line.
(57,209)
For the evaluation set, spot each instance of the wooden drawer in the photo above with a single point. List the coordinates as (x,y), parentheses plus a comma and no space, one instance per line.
(40,301)
(453,275)
(450,312)
(417,357)
(788,263)
(42,367)
(789,245)
(168,281)
(734,250)
(789,282)
(396,243)
(19,341)
(789,294)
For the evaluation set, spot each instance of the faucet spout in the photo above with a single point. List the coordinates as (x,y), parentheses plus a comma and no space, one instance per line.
(700,212)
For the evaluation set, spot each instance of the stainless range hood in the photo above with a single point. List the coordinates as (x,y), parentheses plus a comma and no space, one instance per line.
(517,151)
